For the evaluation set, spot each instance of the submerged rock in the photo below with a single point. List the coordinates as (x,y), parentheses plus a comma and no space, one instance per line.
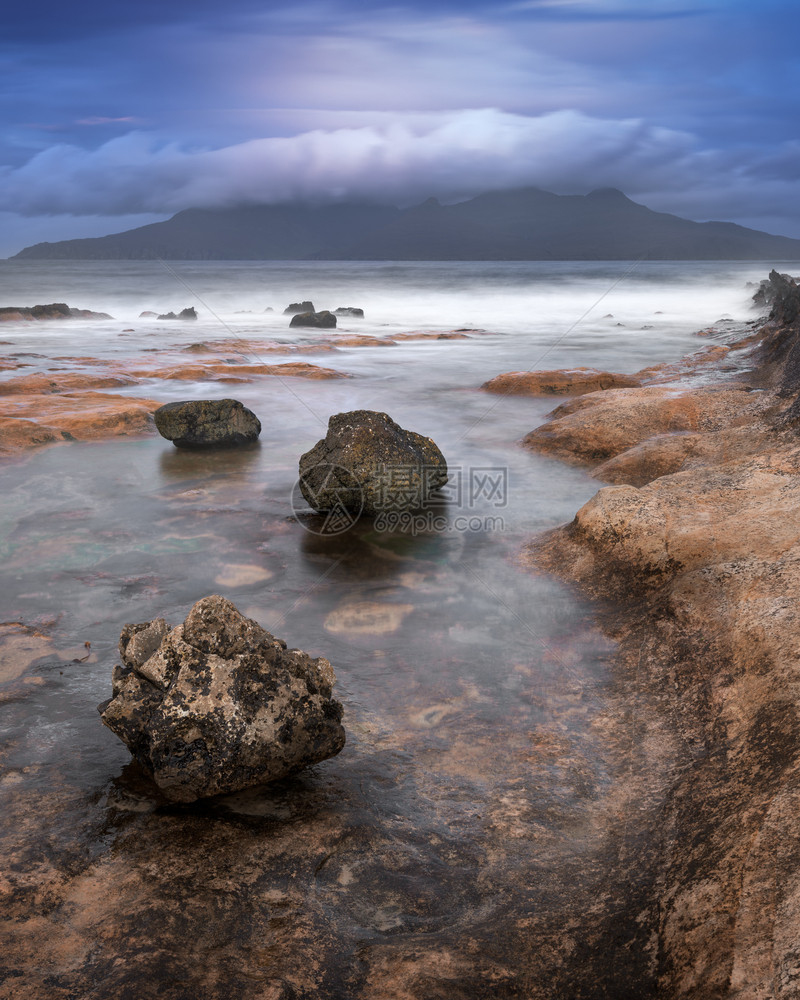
(198,423)
(367,463)
(350,311)
(219,704)
(324,320)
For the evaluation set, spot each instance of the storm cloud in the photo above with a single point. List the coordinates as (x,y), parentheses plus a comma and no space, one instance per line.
(446,156)
(140,110)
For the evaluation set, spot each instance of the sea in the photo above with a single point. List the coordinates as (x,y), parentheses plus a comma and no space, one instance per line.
(477,764)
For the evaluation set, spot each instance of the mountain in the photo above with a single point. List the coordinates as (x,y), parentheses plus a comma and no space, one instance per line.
(521,224)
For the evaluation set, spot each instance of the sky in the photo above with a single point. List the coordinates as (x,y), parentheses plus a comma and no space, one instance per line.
(114,115)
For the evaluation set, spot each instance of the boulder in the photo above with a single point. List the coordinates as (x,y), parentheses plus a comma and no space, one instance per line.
(197,423)
(298,307)
(219,704)
(350,311)
(368,464)
(322,320)
(188,313)
(148,314)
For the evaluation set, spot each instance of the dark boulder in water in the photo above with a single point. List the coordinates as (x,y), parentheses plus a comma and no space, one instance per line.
(299,307)
(324,320)
(369,464)
(353,311)
(199,423)
(219,704)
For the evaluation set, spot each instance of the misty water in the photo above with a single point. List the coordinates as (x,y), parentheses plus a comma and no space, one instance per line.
(473,690)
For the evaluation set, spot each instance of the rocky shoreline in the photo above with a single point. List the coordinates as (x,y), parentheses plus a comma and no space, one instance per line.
(694,557)
(85,398)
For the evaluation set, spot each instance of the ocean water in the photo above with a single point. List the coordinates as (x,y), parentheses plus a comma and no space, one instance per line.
(455,666)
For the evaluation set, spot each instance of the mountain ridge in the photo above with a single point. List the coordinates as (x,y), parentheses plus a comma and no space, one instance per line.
(517,224)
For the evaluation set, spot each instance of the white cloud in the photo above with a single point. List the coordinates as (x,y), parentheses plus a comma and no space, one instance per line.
(449,156)
(446,155)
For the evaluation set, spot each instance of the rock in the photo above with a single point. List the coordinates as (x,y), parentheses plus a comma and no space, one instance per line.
(56,310)
(188,313)
(219,704)
(367,618)
(563,382)
(31,421)
(298,307)
(44,384)
(201,422)
(211,371)
(148,314)
(367,463)
(322,320)
(350,311)
(702,565)
(771,288)
(598,426)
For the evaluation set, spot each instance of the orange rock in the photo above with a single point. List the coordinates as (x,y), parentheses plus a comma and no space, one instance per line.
(666,454)
(561,382)
(598,426)
(671,371)
(36,420)
(219,372)
(362,340)
(41,383)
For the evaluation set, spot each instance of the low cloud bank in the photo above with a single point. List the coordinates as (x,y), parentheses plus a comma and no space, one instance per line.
(459,155)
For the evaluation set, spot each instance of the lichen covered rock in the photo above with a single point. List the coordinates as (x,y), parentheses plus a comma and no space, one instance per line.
(197,423)
(219,704)
(367,463)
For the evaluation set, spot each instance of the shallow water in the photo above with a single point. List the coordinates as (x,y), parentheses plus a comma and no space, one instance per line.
(467,813)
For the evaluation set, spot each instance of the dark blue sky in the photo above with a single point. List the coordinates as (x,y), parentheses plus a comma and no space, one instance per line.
(117,114)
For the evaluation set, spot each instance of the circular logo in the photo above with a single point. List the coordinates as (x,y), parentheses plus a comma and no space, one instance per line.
(334,495)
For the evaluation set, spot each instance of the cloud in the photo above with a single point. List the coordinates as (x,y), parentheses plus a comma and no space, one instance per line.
(449,156)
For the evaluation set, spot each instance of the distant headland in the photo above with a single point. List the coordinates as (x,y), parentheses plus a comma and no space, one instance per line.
(521,224)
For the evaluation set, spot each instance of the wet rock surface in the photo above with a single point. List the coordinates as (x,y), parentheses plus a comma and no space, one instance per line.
(574,382)
(199,423)
(367,463)
(700,552)
(218,704)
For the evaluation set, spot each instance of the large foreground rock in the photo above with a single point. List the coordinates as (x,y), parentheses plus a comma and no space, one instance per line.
(367,463)
(197,423)
(219,704)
